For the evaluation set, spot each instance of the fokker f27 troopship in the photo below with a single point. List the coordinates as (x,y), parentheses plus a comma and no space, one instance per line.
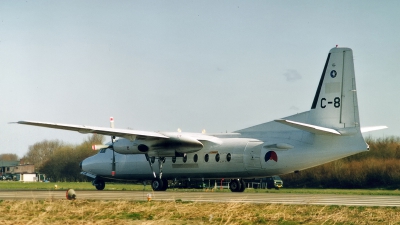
(330,130)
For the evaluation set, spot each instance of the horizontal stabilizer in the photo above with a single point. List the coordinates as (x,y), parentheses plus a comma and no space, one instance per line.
(368,129)
(308,127)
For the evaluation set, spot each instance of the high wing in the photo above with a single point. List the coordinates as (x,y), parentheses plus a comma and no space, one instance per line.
(139,142)
(124,133)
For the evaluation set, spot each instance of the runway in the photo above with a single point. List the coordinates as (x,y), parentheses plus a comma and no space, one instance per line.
(273,198)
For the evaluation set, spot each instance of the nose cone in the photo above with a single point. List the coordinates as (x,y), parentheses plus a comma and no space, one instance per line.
(85,164)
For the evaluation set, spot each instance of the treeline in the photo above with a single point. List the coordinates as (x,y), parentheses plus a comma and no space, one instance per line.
(377,168)
(59,161)
(9,157)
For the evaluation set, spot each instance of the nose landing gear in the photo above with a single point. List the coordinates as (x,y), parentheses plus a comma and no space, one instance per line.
(99,184)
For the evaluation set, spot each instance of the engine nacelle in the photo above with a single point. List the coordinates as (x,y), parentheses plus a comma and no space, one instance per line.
(124,146)
(162,147)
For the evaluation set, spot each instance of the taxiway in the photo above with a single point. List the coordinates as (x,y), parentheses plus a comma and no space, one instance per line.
(273,198)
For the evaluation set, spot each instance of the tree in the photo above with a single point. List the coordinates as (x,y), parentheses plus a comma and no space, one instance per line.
(41,152)
(63,164)
(8,157)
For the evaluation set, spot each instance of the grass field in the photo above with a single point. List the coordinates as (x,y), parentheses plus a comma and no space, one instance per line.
(178,212)
(15,185)
(53,211)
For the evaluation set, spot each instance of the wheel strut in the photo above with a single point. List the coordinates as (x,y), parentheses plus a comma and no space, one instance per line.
(161,160)
(151,165)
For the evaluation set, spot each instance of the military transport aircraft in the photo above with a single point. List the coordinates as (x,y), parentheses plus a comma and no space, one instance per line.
(330,130)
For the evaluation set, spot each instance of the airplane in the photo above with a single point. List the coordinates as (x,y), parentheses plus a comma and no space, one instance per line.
(330,130)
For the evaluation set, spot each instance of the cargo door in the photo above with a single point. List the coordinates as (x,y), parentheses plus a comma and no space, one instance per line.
(252,154)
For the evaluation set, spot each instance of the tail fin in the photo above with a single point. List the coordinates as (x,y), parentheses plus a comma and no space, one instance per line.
(334,110)
(335,102)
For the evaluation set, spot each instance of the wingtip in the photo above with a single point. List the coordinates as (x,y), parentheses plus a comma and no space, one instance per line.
(26,122)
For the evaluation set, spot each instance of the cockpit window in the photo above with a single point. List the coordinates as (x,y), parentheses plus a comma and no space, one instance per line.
(103,150)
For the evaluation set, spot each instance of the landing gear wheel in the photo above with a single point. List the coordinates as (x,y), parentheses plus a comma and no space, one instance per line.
(242,186)
(165,184)
(99,184)
(234,185)
(157,184)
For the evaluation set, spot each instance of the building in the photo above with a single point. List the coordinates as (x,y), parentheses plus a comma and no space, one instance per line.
(6,167)
(17,170)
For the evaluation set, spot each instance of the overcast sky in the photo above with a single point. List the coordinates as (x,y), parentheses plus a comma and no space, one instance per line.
(193,65)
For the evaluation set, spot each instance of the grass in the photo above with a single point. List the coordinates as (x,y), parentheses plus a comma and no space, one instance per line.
(130,212)
(53,211)
(15,185)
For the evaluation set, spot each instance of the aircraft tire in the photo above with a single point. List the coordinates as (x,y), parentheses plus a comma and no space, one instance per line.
(157,184)
(165,184)
(242,185)
(234,185)
(99,184)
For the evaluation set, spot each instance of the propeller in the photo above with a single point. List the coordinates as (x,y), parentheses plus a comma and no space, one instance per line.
(99,147)
(112,143)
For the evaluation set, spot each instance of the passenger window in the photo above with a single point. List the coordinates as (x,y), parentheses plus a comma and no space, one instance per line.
(174,159)
(185,158)
(195,158)
(206,158)
(217,157)
(228,157)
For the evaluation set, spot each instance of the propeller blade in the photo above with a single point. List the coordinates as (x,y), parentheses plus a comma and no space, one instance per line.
(112,122)
(98,147)
(112,141)
(113,165)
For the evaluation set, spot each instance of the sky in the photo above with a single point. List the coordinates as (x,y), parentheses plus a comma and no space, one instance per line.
(163,65)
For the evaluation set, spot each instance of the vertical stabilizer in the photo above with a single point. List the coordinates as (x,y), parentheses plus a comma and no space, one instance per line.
(335,102)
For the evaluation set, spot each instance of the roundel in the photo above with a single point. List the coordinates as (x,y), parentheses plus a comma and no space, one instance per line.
(333,73)
(271,156)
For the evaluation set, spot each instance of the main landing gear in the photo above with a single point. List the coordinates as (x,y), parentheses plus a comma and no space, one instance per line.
(237,185)
(158,183)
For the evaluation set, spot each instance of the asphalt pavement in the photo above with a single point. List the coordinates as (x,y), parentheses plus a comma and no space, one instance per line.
(260,198)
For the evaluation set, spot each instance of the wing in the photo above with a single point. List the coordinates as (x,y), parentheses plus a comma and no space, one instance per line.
(124,133)
(153,143)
